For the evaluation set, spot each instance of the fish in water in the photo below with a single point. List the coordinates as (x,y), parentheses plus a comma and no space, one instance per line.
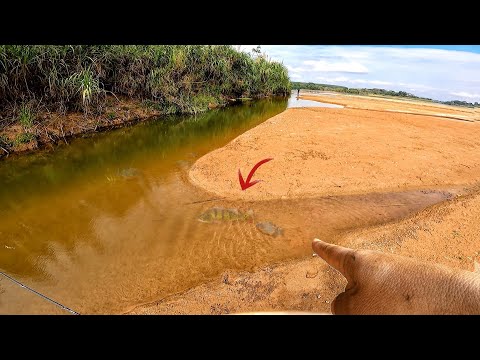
(217,214)
(269,229)
(129,173)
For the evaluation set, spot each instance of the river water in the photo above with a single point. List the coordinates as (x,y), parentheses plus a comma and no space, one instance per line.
(110,221)
(296,102)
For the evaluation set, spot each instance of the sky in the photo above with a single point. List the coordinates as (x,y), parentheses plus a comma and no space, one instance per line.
(441,72)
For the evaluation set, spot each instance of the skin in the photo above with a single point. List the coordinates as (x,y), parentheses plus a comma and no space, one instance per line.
(381,283)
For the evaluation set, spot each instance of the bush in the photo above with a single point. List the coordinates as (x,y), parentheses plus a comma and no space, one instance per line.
(176,78)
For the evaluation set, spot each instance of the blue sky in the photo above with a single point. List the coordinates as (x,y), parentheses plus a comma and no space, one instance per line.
(442,72)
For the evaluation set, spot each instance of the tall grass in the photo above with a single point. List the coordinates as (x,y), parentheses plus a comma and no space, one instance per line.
(176,78)
(25,116)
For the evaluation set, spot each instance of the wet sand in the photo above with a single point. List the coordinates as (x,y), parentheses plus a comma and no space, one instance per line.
(326,152)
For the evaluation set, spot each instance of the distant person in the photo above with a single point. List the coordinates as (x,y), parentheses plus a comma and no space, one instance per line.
(298,93)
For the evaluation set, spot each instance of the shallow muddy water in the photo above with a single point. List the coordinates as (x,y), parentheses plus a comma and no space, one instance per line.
(294,102)
(111,221)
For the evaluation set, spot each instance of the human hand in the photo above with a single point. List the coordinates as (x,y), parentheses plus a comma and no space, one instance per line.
(382,283)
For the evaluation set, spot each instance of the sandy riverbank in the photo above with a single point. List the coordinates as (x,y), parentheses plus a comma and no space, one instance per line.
(320,152)
(377,103)
(324,151)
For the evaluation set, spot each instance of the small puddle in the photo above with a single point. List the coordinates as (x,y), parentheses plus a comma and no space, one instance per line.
(295,102)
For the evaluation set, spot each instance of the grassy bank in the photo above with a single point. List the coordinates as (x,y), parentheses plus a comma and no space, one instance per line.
(44,81)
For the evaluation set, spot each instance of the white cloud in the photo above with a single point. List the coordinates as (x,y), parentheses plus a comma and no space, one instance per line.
(292,69)
(378,82)
(372,82)
(353,81)
(464,94)
(333,79)
(335,66)
(443,74)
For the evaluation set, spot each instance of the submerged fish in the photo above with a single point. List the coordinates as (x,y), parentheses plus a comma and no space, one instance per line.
(222,214)
(269,229)
(129,173)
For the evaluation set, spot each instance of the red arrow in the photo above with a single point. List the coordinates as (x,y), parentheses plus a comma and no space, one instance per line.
(246,184)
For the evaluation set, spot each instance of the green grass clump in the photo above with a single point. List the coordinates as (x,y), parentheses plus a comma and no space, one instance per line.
(175,78)
(25,116)
(23,138)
